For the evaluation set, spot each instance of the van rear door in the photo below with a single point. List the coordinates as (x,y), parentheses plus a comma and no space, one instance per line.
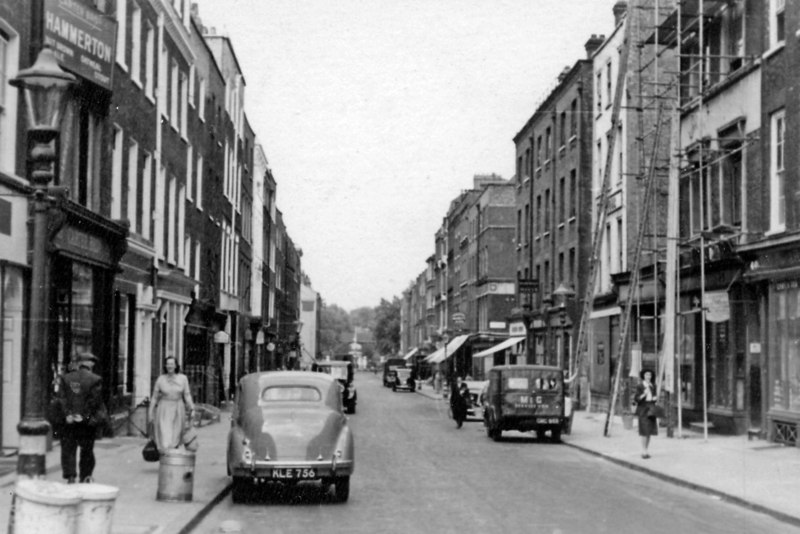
(535,393)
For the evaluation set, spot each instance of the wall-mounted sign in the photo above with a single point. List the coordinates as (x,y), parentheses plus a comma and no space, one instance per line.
(516,329)
(717,308)
(528,285)
(82,38)
(755,347)
(222,337)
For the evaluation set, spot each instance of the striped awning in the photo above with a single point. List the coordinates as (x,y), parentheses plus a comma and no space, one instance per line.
(510,342)
(411,353)
(447,351)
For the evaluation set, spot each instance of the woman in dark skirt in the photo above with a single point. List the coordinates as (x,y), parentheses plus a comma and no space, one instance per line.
(645,398)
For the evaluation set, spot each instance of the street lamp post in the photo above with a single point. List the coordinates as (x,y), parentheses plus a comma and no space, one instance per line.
(44,86)
(562,295)
(547,302)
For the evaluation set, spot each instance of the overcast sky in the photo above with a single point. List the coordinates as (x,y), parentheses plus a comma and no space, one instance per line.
(375,114)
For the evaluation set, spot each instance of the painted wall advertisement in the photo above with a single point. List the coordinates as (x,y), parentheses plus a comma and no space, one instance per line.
(82,38)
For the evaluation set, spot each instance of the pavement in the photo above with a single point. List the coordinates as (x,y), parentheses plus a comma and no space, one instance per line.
(136,510)
(756,474)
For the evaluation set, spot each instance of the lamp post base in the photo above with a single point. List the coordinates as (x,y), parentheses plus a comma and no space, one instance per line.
(32,447)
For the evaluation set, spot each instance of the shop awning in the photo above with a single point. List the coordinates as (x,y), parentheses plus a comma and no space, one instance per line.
(510,342)
(411,353)
(440,355)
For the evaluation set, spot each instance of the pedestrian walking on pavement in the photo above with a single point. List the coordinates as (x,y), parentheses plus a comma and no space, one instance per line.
(169,403)
(645,399)
(458,405)
(81,402)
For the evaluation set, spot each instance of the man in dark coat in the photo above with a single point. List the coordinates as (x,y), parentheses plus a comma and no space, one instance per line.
(81,400)
(458,404)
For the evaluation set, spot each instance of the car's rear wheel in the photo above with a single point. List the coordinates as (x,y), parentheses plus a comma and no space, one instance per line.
(240,490)
(555,435)
(341,489)
(394,389)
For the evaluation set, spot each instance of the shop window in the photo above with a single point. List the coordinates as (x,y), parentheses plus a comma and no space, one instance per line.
(718,353)
(785,348)
(82,308)
(125,343)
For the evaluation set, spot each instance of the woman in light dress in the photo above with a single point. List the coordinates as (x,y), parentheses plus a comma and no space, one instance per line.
(171,399)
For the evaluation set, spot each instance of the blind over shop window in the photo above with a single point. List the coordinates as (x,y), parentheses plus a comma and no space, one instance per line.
(785,346)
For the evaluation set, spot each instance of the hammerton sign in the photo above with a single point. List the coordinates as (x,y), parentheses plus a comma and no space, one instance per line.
(82,38)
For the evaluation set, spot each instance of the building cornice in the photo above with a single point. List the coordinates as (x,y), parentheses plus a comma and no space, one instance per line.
(175,27)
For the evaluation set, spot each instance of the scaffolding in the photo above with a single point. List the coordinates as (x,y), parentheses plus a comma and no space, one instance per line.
(686,52)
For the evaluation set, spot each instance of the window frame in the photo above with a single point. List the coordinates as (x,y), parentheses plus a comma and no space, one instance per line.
(777,174)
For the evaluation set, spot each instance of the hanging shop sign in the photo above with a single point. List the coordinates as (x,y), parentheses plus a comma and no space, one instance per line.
(82,38)
(717,308)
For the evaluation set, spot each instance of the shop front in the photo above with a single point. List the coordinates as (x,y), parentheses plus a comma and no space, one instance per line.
(711,332)
(84,260)
(773,348)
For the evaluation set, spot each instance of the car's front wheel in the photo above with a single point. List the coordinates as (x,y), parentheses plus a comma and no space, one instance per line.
(240,490)
(341,489)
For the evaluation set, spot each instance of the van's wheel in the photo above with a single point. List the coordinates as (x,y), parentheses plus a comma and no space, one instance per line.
(555,435)
(493,433)
(240,490)
(341,490)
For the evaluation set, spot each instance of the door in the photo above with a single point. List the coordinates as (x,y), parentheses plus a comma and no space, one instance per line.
(11,298)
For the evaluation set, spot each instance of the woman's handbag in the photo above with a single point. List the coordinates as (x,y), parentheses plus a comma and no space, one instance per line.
(150,452)
(655,410)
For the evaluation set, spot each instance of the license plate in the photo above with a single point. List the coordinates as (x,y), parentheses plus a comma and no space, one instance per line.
(294,473)
(548,420)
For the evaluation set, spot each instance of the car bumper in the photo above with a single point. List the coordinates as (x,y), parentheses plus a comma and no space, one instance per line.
(267,471)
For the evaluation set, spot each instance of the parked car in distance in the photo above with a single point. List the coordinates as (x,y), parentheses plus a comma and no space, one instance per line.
(389,368)
(524,398)
(288,427)
(404,379)
(475,404)
(342,371)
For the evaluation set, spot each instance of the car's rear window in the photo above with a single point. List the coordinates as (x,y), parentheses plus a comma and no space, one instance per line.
(538,382)
(335,372)
(515,382)
(291,393)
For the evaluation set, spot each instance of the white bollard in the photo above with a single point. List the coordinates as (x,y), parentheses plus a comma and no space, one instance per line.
(96,508)
(44,507)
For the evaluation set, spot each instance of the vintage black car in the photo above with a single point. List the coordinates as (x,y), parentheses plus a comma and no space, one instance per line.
(524,398)
(404,380)
(287,428)
(342,371)
(390,367)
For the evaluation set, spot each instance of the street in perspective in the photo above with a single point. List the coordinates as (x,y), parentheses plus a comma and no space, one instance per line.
(399,266)
(417,472)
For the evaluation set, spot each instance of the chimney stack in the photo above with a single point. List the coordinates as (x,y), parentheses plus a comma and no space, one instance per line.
(593,44)
(620,8)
